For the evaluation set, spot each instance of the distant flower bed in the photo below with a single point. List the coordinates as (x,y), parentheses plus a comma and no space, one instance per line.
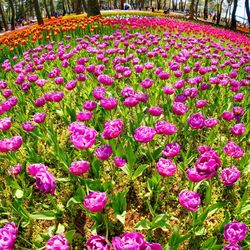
(124,133)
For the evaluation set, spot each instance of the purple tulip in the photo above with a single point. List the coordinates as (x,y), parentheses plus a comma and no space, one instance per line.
(196,121)
(59,80)
(57,242)
(39,102)
(155,111)
(235,232)
(144,134)
(200,104)
(71,85)
(28,126)
(112,129)
(227,116)
(165,128)
(82,136)
(165,167)
(232,246)
(179,108)
(39,117)
(207,164)
(11,227)
(211,122)
(230,175)
(84,116)
(11,144)
(105,80)
(131,102)
(5,123)
(147,83)
(15,170)
(99,93)
(97,242)
(7,239)
(128,241)
(203,148)
(119,162)
(103,152)
(128,91)
(168,90)
(95,201)
(189,200)
(109,103)
(45,182)
(7,93)
(238,129)
(171,150)
(233,150)
(194,176)
(89,105)
(79,167)
(35,168)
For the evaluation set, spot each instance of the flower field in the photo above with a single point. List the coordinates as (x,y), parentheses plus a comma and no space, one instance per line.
(124,133)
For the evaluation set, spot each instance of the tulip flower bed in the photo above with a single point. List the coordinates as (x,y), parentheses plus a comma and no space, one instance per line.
(125,134)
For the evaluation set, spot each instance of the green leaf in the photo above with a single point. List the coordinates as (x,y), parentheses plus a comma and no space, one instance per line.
(77,198)
(121,217)
(138,172)
(60,229)
(160,221)
(19,194)
(70,235)
(119,205)
(143,224)
(46,215)
(209,243)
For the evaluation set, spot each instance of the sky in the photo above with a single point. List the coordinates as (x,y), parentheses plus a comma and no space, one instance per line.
(241,9)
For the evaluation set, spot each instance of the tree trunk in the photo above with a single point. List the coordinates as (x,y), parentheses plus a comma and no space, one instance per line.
(46,8)
(191,16)
(122,4)
(78,7)
(196,9)
(5,24)
(233,21)
(31,5)
(219,10)
(93,8)
(181,5)
(38,12)
(12,14)
(247,11)
(84,6)
(115,4)
(205,11)
(52,8)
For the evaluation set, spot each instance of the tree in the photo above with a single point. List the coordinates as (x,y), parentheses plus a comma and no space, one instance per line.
(93,8)
(191,16)
(38,12)
(46,8)
(219,10)
(3,17)
(78,7)
(247,11)
(52,8)
(205,11)
(12,14)
(233,20)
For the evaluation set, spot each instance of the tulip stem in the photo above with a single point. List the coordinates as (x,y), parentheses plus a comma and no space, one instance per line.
(106,224)
(150,154)
(54,204)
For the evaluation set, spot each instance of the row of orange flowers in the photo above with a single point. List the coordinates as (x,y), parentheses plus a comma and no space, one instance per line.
(53,26)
